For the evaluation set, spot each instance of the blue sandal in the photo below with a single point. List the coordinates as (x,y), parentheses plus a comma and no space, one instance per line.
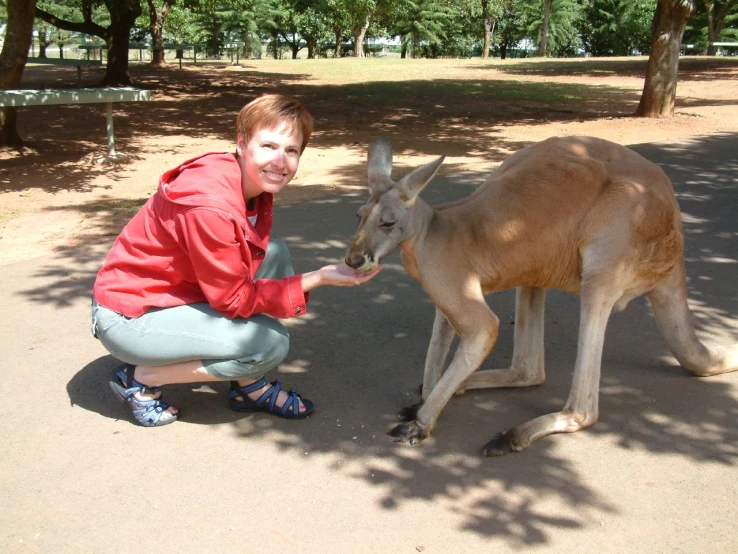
(267,401)
(146,412)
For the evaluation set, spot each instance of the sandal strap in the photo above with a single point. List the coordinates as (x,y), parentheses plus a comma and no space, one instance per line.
(148,411)
(125,377)
(268,400)
(270,395)
(240,391)
(293,400)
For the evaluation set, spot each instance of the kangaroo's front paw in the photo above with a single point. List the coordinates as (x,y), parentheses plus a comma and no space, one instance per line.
(411,412)
(408,432)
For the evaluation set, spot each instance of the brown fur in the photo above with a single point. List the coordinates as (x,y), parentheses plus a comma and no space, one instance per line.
(577,214)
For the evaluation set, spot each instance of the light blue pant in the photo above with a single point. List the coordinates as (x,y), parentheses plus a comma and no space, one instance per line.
(230,349)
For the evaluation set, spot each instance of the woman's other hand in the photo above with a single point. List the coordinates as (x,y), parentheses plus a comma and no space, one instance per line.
(339,275)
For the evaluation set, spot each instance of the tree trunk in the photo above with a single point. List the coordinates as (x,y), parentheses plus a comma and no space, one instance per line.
(275,45)
(359,33)
(339,35)
(18,35)
(716,13)
(156,28)
(545,28)
(487,29)
(43,41)
(659,90)
(503,51)
(123,14)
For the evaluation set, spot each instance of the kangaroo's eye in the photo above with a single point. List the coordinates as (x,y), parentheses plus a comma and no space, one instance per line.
(387,224)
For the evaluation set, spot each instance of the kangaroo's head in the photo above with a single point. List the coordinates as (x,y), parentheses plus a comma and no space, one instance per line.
(387,219)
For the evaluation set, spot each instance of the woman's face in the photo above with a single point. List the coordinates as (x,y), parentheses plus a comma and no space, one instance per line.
(269,159)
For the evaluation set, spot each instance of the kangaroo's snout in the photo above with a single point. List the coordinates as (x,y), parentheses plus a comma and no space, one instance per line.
(354,260)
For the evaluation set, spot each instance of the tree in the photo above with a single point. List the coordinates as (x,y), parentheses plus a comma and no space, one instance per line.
(358,14)
(716,14)
(43,34)
(491,12)
(617,27)
(157,17)
(554,25)
(337,21)
(420,23)
(123,14)
(511,28)
(545,28)
(18,35)
(659,89)
(312,25)
(223,21)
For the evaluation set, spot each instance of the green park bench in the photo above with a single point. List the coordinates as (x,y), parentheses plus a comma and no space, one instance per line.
(725,44)
(703,48)
(67,61)
(20,98)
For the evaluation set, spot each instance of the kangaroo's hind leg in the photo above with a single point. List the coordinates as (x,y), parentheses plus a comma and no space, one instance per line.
(669,302)
(527,367)
(582,407)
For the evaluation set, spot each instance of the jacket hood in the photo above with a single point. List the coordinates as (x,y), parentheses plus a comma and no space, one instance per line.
(221,173)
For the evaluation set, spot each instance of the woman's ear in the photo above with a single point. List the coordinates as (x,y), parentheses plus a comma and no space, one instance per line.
(240,145)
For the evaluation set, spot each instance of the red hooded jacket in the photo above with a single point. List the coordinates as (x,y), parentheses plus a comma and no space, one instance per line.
(192,243)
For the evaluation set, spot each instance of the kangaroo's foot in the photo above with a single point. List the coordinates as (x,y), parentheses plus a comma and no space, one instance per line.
(410,412)
(502,444)
(410,432)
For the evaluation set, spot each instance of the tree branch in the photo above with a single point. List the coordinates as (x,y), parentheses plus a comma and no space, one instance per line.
(88,27)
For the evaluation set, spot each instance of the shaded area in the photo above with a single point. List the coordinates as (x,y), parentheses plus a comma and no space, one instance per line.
(359,355)
(443,112)
(690,68)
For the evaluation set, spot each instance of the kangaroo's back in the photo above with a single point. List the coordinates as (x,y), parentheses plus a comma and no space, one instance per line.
(530,220)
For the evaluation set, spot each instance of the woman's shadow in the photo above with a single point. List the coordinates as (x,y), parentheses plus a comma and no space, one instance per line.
(200,403)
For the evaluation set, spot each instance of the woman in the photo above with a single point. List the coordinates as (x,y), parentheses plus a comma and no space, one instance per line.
(191,288)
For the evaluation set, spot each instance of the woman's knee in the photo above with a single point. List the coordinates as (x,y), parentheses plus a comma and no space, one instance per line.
(274,345)
(277,347)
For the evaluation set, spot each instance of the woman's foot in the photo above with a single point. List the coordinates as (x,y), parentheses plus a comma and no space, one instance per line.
(145,402)
(154,393)
(282,396)
(261,396)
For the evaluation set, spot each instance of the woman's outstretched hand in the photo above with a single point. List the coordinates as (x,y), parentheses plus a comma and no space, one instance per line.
(339,275)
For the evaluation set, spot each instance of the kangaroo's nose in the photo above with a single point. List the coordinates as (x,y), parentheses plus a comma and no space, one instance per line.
(354,259)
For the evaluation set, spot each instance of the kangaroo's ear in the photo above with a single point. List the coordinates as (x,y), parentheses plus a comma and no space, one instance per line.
(412,183)
(379,166)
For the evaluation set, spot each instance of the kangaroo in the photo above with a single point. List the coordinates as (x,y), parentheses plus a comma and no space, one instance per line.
(578,214)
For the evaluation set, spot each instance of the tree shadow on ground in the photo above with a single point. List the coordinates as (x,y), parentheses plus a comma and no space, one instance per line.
(434,116)
(203,103)
(692,68)
(359,355)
